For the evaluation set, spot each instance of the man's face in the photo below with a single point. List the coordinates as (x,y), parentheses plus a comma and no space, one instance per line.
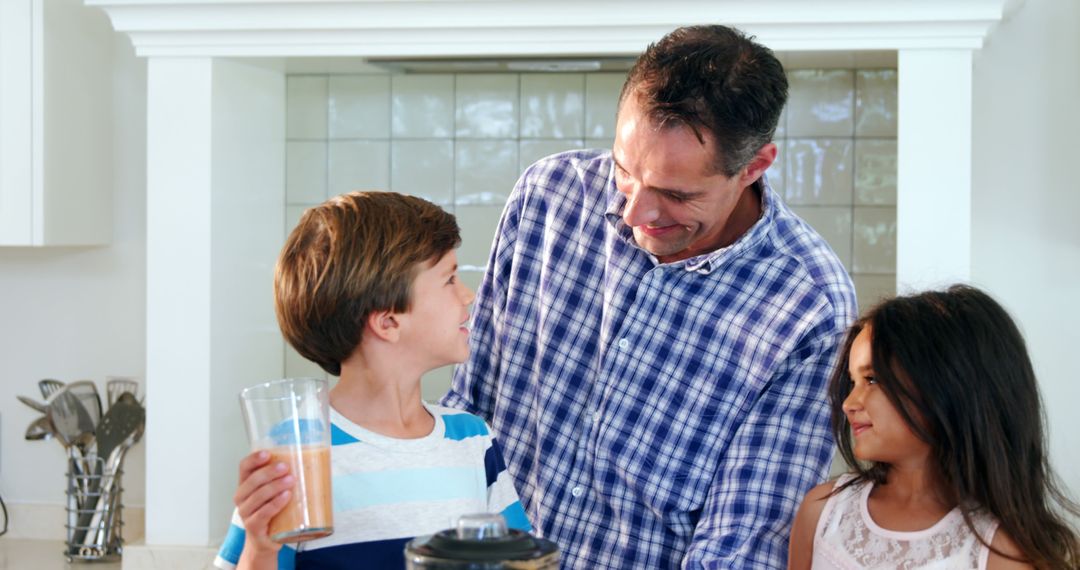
(678,204)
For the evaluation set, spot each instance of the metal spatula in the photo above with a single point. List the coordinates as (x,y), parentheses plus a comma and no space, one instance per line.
(39,429)
(33,403)
(116,385)
(123,422)
(49,386)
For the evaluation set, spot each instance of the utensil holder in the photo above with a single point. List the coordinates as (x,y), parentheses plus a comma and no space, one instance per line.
(94,511)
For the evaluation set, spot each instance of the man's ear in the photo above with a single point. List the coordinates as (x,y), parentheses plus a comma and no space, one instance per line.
(385,325)
(763,159)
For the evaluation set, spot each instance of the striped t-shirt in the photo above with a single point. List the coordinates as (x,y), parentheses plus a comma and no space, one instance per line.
(387,491)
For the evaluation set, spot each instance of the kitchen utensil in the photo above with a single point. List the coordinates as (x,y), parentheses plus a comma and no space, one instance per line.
(116,385)
(121,427)
(481,541)
(39,429)
(49,386)
(33,403)
(74,411)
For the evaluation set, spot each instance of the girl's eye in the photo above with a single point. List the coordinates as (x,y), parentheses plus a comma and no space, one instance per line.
(452,280)
(871,380)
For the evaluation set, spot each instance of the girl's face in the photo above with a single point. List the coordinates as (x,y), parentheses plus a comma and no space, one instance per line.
(880,432)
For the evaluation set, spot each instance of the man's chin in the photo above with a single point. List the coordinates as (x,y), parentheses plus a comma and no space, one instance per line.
(659,249)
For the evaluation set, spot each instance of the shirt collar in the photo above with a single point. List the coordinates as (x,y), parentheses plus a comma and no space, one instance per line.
(706,262)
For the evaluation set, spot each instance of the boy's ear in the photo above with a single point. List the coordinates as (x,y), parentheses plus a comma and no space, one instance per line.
(384,325)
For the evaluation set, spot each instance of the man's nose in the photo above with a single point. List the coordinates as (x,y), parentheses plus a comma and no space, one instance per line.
(641,208)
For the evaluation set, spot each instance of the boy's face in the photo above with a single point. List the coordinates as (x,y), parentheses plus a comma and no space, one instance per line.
(436,323)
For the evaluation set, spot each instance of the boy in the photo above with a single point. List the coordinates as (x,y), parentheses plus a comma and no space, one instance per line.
(367,287)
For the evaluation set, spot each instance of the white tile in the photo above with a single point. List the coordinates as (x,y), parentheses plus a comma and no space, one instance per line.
(297,366)
(601,103)
(478,225)
(821,103)
(423,106)
(776,173)
(359,106)
(818,172)
(781,125)
(359,165)
(485,171)
(875,172)
(875,103)
(424,168)
(305,172)
(486,106)
(834,224)
(874,248)
(552,105)
(305,107)
(871,289)
(529,151)
(602,144)
(435,384)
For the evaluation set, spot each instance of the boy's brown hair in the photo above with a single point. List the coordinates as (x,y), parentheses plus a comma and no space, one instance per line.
(348,257)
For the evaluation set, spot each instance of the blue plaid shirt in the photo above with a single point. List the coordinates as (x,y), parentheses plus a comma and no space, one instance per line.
(653,415)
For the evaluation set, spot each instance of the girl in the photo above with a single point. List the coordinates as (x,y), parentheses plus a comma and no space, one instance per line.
(946,447)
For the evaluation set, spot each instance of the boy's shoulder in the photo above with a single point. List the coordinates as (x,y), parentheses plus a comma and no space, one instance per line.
(460,424)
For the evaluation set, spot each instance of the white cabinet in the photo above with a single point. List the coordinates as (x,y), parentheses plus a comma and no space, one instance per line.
(56,157)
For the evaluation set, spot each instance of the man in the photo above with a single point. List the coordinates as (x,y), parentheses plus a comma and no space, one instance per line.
(655,329)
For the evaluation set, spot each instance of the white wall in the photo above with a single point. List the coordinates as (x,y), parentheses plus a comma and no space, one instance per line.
(74,312)
(1026,199)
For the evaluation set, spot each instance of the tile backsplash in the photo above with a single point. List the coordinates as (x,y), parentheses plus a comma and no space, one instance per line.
(462,140)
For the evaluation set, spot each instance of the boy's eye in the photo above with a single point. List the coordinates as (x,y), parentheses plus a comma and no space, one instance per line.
(452,280)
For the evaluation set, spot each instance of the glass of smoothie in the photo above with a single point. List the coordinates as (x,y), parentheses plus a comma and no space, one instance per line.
(290,418)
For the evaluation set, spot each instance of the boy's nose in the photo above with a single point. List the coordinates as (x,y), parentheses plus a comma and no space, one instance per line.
(467,295)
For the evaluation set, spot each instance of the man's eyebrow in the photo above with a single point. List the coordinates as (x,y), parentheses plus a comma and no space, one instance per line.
(682,194)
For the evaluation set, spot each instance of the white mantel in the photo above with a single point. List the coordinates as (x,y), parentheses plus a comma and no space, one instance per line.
(208,56)
(464,28)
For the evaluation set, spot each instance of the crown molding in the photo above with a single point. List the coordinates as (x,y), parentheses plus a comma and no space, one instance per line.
(513,28)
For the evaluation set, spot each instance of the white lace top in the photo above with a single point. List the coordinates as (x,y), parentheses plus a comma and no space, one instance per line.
(848,539)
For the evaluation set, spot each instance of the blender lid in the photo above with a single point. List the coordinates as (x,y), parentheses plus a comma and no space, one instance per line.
(483,538)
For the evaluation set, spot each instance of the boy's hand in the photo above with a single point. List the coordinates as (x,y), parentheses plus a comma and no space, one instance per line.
(263,491)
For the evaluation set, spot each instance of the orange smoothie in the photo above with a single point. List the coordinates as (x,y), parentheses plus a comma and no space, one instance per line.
(309,512)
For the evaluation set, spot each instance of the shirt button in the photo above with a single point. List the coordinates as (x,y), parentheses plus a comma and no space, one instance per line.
(624,344)
(577,491)
(596,417)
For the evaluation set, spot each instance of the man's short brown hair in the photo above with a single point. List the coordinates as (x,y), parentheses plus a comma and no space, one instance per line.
(348,257)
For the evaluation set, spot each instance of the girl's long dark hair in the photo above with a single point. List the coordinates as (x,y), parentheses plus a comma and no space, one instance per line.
(955,366)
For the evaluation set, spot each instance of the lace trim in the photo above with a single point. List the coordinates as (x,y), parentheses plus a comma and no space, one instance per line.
(850,539)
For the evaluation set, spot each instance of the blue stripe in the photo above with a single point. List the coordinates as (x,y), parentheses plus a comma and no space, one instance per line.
(380,554)
(360,490)
(493,463)
(233,545)
(461,426)
(286,558)
(339,437)
(516,518)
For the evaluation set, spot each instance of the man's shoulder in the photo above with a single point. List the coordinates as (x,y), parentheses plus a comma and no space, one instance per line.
(563,169)
(796,241)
